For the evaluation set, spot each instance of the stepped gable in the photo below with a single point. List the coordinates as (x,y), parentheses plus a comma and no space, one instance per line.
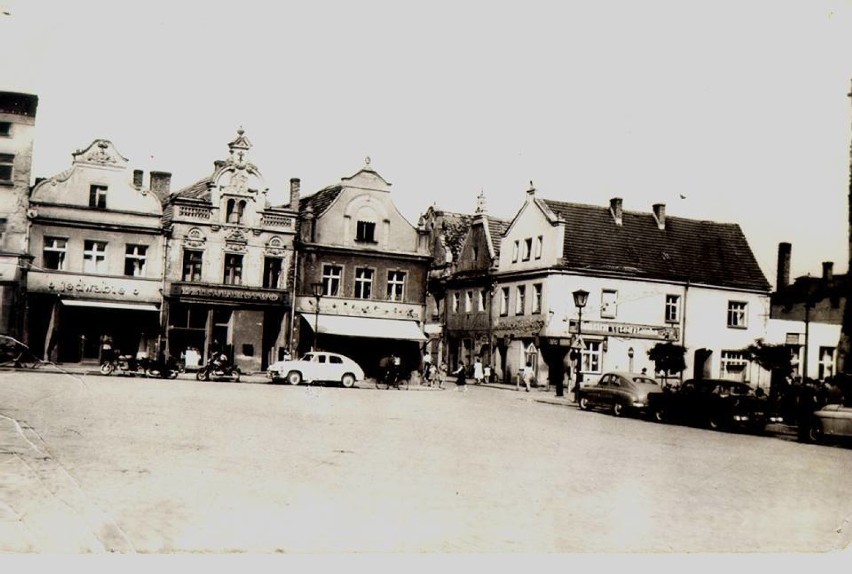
(702,252)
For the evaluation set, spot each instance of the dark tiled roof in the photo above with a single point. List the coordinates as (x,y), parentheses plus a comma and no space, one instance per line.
(320,201)
(197,190)
(703,252)
(496,229)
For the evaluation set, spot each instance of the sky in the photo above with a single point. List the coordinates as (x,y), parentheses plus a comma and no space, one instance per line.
(732,111)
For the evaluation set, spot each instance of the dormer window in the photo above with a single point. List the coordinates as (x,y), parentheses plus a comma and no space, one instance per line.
(365,231)
(98,196)
(234,211)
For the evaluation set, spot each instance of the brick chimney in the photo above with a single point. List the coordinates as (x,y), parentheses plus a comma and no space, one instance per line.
(782,278)
(660,214)
(295,188)
(161,181)
(827,270)
(615,209)
(137,178)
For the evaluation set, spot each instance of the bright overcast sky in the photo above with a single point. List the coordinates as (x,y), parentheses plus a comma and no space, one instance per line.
(739,106)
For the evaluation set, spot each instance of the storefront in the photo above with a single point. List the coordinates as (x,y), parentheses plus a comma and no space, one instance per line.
(248,324)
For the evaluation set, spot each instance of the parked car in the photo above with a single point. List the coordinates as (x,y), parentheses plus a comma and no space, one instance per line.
(717,404)
(832,420)
(317,367)
(619,392)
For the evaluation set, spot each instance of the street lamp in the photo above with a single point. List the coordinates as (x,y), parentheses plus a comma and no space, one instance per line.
(630,356)
(809,304)
(317,292)
(581,297)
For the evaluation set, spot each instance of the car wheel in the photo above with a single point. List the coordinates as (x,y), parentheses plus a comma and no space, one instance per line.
(107,368)
(659,414)
(815,433)
(584,404)
(294,377)
(348,380)
(617,409)
(236,375)
(714,423)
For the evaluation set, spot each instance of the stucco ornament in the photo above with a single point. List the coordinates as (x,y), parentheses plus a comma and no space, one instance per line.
(195,238)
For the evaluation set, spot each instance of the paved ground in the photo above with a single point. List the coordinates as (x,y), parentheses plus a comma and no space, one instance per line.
(92,464)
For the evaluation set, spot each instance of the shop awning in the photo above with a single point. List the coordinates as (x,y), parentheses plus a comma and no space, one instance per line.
(367,327)
(110,305)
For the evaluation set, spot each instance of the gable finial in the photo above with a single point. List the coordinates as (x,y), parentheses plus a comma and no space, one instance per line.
(480,202)
(367,160)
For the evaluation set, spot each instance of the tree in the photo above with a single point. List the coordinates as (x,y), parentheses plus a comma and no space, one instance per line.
(775,358)
(668,358)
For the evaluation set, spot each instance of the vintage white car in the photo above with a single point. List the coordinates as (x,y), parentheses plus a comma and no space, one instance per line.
(317,367)
(831,421)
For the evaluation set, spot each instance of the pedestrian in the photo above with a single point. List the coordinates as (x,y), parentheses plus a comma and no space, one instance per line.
(440,373)
(487,372)
(461,377)
(478,373)
(427,362)
(527,376)
(805,407)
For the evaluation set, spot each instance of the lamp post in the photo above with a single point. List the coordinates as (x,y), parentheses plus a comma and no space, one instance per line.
(581,297)
(630,357)
(317,292)
(808,306)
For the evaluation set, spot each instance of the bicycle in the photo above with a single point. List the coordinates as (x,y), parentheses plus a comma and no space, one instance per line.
(392,378)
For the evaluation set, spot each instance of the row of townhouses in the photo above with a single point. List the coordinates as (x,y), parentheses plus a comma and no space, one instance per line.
(95,252)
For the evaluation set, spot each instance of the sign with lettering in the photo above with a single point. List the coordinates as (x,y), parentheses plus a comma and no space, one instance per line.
(228,293)
(100,288)
(629,330)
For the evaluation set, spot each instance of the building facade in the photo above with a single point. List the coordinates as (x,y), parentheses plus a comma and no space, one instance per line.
(17,130)
(228,265)
(361,274)
(97,264)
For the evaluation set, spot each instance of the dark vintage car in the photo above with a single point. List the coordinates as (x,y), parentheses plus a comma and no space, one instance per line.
(831,421)
(715,403)
(619,392)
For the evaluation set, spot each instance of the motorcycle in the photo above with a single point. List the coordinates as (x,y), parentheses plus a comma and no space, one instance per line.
(122,365)
(218,368)
(163,369)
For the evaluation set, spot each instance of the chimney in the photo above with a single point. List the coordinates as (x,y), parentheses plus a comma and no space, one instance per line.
(660,214)
(827,270)
(161,182)
(615,209)
(295,187)
(783,271)
(137,178)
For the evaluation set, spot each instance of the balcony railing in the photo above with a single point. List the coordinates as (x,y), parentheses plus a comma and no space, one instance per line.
(283,221)
(195,212)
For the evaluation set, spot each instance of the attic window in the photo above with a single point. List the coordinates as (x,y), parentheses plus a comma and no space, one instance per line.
(365,231)
(98,196)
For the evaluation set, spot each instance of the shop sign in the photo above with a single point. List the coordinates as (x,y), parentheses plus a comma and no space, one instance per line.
(630,330)
(227,293)
(93,287)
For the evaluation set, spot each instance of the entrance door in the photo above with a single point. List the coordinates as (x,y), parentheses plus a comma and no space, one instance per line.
(701,364)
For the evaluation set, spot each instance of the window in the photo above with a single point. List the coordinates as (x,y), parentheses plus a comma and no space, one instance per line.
(363,283)
(468,301)
(94,256)
(134,260)
(475,253)
(734,366)
(737,314)
(539,242)
(672,308)
(536,298)
(592,357)
(6,161)
(396,285)
(272,276)
(480,303)
(455,302)
(331,280)
(609,300)
(335,360)
(365,231)
(826,362)
(55,249)
(515,250)
(527,248)
(504,301)
(233,269)
(97,196)
(5,129)
(234,211)
(520,299)
(248,350)
(192,265)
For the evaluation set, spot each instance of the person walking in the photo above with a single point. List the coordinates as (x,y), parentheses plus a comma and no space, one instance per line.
(478,372)
(427,362)
(461,377)
(526,376)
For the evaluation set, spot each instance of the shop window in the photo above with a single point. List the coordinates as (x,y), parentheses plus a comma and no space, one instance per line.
(248,350)
(592,358)
(520,299)
(672,308)
(396,285)
(94,256)
(734,366)
(272,276)
(6,162)
(331,280)
(55,249)
(98,196)
(536,298)
(233,269)
(192,265)
(365,231)
(737,314)
(363,283)
(609,301)
(134,260)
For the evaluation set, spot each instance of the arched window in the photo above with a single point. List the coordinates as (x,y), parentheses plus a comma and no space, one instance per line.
(230,212)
